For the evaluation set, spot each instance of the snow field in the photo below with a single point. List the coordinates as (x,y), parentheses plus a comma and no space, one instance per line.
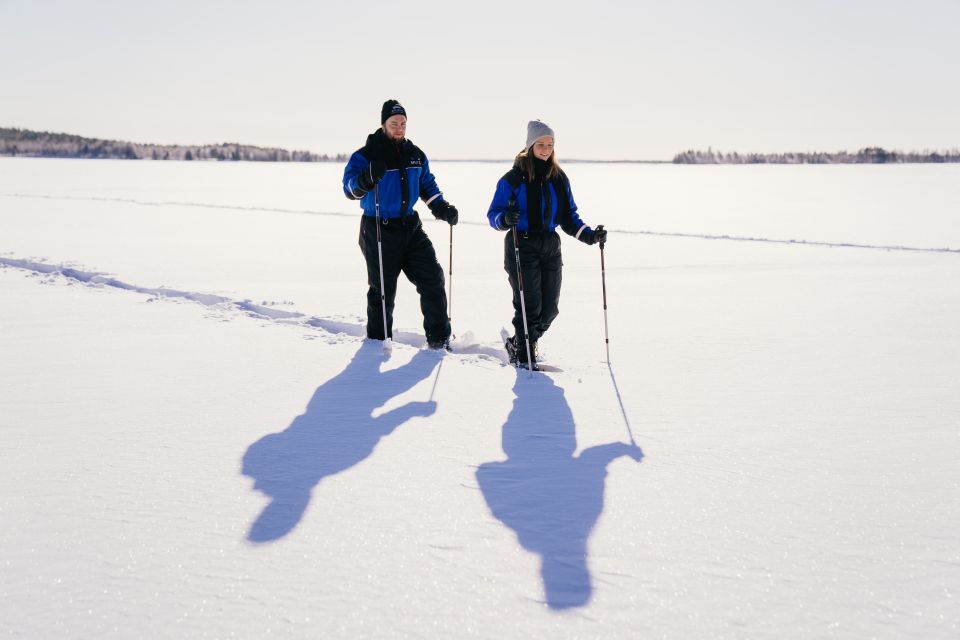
(794,407)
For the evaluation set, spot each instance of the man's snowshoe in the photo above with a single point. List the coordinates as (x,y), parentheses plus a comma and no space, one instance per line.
(511,350)
(439,345)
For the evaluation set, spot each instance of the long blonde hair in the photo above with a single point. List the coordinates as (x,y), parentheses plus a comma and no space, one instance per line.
(524,160)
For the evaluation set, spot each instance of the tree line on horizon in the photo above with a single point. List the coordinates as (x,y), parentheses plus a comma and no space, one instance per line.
(869,155)
(43,144)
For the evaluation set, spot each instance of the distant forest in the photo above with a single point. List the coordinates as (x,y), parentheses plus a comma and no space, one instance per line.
(870,155)
(41,144)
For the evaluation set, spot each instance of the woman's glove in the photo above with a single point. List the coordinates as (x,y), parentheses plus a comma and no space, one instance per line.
(592,237)
(600,234)
(512,215)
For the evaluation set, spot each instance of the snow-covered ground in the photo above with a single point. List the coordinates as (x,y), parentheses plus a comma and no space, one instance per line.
(196,441)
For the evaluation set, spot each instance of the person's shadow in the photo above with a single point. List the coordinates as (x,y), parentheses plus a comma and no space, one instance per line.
(549,497)
(336,432)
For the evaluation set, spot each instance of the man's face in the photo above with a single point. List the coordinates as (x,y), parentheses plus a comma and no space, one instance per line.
(395,127)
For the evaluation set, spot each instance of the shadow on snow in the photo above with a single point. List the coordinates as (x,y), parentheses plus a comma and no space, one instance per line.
(543,492)
(336,432)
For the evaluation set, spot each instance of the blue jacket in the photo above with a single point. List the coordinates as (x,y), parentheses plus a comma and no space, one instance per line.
(556,207)
(407,178)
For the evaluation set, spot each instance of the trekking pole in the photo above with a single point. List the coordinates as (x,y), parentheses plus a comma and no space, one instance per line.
(387,344)
(603,279)
(523,305)
(450,299)
(606,335)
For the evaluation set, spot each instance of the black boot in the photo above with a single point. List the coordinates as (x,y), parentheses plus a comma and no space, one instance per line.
(517,350)
(439,344)
(510,344)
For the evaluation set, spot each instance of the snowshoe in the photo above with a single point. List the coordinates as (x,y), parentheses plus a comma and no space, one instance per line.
(511,350)
(439,345)
(517,353)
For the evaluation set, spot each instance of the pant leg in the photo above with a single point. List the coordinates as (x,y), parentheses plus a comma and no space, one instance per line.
(392,251)
(532,290)
(551,269)
(421,267)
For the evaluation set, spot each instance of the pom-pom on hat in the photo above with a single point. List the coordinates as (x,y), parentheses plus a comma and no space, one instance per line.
(391,108)
(537,130)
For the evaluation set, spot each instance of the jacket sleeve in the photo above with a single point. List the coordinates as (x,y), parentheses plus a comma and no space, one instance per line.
(351,188)
(573,225)
(501,198)
(429,191)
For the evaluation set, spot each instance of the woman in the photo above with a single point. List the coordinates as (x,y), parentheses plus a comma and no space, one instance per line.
(534,198)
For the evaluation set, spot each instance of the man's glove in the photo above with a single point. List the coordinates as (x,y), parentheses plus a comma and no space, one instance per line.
(443,210)
(512,215)
(371,175)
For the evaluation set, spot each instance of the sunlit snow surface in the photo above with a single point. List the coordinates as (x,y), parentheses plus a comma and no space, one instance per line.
(196,441)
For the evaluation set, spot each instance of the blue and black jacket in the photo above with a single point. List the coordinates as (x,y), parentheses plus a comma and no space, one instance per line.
(544,205)
(407,178)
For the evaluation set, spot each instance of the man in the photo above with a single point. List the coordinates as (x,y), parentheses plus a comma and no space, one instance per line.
(387,175)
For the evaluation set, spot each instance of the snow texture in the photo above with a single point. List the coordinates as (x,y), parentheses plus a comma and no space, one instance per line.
(198,441)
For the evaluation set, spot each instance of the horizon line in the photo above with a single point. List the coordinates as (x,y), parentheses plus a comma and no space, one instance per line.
(334,157)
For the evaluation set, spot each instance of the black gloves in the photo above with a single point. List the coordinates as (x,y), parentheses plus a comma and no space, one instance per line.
(443,210)
(512,215)
(371,175)
(600,234)
(597,235)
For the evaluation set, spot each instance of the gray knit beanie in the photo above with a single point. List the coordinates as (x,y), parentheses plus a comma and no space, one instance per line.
(536,130)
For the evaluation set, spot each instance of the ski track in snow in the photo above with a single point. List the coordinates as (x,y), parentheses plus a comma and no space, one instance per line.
(174,203)
(464,346)
(659,234)
(810,243)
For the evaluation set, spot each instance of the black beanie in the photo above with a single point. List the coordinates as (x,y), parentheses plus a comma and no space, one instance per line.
(391,108)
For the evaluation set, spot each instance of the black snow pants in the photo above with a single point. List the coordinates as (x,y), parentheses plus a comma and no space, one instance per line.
(406,248)
(540,266)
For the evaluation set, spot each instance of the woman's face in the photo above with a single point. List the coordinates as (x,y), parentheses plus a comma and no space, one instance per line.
(395,127)
(543,148)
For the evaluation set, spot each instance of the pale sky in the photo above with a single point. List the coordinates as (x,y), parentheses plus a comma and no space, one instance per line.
(616,80)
